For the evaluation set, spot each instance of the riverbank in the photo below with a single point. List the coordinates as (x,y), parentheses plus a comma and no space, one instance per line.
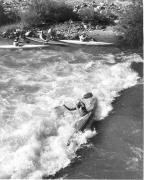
(107,35)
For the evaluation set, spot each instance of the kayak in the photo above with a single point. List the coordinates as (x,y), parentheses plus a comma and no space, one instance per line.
(27,46)
(80,125)
(91,43)
(51,42)
(66,42)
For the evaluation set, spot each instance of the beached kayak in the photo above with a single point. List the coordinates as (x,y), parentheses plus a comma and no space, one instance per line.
(92,43)
(66,42)
(27,46)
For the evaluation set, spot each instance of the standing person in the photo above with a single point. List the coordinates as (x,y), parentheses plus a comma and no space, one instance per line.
(19,39)
(51,33)
(42,36)
(17,34)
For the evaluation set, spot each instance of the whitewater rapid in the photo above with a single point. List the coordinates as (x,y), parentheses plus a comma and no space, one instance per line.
(34,128)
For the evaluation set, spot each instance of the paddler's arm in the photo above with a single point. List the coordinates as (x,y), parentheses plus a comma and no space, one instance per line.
(70,109)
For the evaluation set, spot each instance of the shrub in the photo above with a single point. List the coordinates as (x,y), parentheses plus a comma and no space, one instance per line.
(130,25)
(3,17)
(69,30)
(86,14)
(104,16)
(11,27)
(47,12)
(8,15)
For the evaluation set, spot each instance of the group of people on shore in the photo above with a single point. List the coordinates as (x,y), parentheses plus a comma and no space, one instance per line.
(20,37)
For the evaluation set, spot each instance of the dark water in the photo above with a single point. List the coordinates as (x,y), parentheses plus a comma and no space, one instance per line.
(33,135)
(117,150)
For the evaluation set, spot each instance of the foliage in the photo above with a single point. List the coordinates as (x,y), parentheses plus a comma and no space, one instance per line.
(8,16)
(105,15)
(68,30)
(86,14)
(3,16)
(130,25)
(47,12)
(11,27)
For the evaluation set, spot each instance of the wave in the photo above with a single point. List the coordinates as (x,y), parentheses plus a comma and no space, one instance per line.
(35,129)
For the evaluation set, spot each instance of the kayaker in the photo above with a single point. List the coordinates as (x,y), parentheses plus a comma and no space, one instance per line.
(81,104)
(90,101)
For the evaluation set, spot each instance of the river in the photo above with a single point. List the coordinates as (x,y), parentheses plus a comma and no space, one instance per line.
(34,132)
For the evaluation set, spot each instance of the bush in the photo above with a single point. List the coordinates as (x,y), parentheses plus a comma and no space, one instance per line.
(86,14)
(8,16)
(130,25)
(104,16)
(69,30)
(3,17)
(47,12)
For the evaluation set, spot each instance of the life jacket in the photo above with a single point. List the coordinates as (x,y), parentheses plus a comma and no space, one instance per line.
(81,108)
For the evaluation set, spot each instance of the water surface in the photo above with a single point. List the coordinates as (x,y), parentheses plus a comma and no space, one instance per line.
(35,128)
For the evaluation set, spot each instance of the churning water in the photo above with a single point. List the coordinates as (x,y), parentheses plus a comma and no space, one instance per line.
(34,129)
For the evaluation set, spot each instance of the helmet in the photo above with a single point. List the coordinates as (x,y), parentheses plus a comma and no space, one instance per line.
(87,95)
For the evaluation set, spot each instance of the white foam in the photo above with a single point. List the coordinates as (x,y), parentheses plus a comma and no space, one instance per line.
(35,140)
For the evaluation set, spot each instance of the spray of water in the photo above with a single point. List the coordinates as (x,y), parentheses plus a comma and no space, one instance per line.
(35,128)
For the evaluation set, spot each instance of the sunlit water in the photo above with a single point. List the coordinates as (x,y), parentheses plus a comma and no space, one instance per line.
(34,129)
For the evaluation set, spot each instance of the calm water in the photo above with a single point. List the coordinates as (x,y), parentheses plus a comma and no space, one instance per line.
(34,133)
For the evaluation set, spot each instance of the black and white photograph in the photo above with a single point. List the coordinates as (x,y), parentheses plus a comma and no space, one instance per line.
(71,89)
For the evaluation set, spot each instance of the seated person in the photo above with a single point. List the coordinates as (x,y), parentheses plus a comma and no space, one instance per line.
(81,106)
(16,41)
(21,41)
(88,104)
(90,101)
(82,37)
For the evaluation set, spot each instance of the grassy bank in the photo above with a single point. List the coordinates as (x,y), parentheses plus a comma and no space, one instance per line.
(71,18)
